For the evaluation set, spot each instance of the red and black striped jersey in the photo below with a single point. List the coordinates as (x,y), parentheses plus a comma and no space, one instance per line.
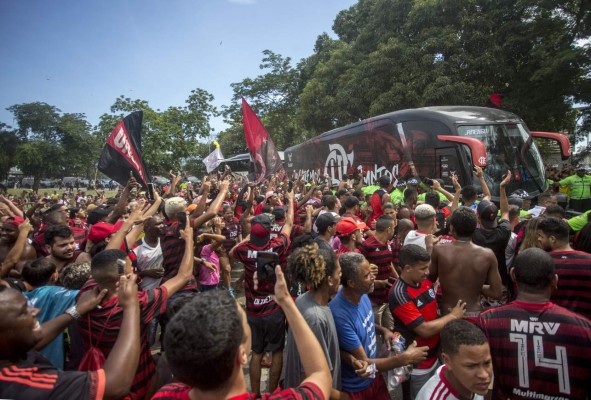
(379,254)
(396,244)
(306,391)
(539,351)
(574,281)
(34,378)
(258,304)
(109,317)
(411,307)
(231,230)
(173,250)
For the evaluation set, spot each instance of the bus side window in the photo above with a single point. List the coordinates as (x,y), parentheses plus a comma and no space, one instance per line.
(421,139)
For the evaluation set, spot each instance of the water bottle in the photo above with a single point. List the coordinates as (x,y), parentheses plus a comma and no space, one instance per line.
(397,375)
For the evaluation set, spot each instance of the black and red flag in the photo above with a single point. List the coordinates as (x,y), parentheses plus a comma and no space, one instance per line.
(122,153)
(260,145)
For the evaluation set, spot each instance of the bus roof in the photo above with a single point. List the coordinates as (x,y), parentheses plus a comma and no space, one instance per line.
(449,115)
(245,157)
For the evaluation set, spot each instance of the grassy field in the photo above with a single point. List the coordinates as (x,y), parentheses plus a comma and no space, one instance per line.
(19,192)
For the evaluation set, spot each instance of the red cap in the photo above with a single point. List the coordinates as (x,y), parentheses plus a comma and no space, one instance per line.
(16,221)
(102,230)
(346,226)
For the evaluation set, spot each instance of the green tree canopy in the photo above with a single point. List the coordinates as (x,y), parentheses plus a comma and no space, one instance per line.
(396,54)
(9,143)
(273,96)
(50,144)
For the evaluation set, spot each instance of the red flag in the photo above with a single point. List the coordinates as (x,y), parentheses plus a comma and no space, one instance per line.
(494,100)
(122,153)
(260,145)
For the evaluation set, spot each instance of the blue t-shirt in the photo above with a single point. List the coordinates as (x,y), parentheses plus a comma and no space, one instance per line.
(355,327)
(52,301)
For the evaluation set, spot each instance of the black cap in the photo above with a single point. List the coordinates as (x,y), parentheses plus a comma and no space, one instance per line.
(325,220)
(487,212)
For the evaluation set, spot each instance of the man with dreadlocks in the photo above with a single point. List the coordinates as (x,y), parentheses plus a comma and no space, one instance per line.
(318,269)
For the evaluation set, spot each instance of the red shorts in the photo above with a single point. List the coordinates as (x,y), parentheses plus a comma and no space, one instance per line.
(376,391)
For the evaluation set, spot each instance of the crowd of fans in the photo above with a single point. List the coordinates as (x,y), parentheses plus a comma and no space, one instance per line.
(132,296)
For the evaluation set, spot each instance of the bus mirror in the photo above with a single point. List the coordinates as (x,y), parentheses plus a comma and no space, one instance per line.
(476,147)
(562,140)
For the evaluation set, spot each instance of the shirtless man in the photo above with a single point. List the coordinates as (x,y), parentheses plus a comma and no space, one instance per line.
(14,249)
(61,246)
(464,269)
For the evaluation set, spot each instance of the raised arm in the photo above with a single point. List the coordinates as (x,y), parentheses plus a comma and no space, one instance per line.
(16,253)
(123,359)
(458,192)
(311,354)
(308,221)
(185,271)
(13,208)
(485,189)
(122,203)
(214,206)
(289,215)
(204,193)
(135,218)
(31,211)
(307,196)
(437,187)
(503,202)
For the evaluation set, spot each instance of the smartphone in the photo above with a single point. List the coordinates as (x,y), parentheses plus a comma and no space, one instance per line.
(266,262)
(121,266)
(151,191)
(182,218)
(131,174)
(289,186)
(429,181)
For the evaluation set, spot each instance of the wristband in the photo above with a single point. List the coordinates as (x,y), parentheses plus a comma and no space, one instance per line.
(73,312)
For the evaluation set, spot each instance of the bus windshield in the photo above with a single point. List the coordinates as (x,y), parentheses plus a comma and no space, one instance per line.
(509,147)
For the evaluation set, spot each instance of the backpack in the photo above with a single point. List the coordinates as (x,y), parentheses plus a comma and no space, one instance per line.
(94,359)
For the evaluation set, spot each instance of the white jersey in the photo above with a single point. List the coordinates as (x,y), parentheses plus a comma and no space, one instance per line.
(439,388)
(416,237)
(149,258)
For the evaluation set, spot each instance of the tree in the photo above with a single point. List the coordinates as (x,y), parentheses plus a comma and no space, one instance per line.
(39,158)
(8,143)
(35,120)
(82,150)
(273,96)
(50,144)
(396,54)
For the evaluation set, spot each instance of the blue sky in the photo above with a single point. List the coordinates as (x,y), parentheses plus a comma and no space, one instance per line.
(81,55)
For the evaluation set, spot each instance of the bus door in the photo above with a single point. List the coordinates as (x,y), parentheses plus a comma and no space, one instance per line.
(447,164)
(473,153)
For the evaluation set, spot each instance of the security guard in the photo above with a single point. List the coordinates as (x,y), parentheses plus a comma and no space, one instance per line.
(580,190)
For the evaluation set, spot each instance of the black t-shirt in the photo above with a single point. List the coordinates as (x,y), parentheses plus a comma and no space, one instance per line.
(496,240)
(35,378)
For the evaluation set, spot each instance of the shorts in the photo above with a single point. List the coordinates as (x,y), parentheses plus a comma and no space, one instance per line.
(268,333)
(378,390)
